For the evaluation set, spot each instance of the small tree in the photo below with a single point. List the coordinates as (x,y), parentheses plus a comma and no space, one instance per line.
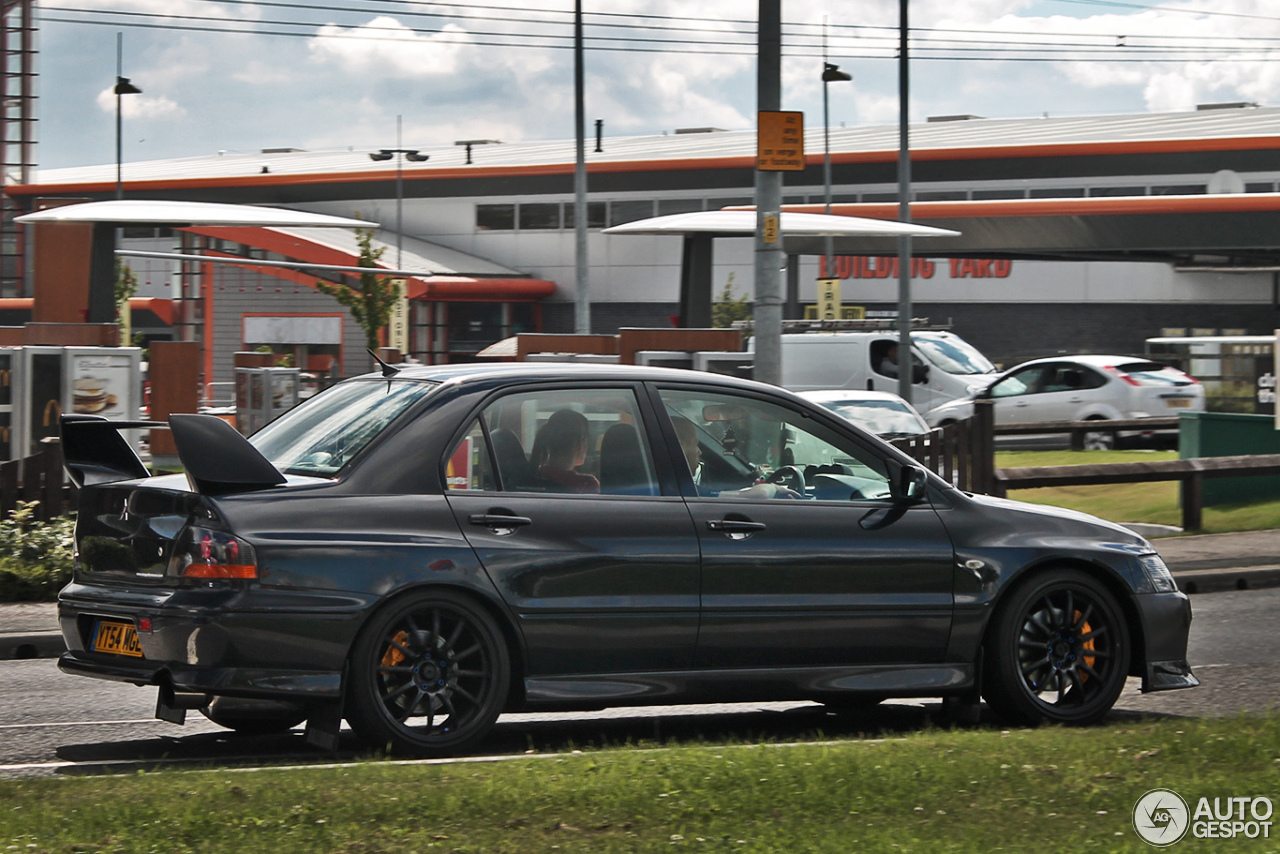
(728,308)
(373,301)
(126,286)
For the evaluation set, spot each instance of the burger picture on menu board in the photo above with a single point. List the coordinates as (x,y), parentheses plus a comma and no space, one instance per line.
(90,396)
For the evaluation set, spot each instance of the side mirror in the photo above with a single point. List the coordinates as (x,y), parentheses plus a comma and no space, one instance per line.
(919,373)
(910,485)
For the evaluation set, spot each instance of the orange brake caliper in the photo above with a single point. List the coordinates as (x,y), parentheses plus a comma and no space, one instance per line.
(1086,646)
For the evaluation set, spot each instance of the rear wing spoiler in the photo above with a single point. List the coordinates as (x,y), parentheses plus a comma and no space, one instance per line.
(216,458)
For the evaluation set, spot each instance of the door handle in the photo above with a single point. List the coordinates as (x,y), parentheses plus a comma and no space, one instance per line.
(735,529)
(501,523)
(735,525)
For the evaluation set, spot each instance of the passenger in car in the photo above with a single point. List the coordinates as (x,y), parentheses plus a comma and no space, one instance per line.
(687,433)
(560,447)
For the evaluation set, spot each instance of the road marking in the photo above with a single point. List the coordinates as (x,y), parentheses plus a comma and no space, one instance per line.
(77,723)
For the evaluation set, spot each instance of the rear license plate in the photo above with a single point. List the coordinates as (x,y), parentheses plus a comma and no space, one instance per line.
(1177,402)
(116,638)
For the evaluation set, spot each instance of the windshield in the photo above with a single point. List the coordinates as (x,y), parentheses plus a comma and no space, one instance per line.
(882,417)
(322,435)
(953,355)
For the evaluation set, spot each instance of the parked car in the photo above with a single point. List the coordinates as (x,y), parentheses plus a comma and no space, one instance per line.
(1084,388)
(420,550)
(944,366)
(879,412)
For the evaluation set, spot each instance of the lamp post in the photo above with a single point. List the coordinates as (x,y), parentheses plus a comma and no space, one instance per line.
(412,155)
(830,74)
(123,87)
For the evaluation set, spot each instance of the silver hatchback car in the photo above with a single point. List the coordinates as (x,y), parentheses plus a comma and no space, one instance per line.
(1086,388)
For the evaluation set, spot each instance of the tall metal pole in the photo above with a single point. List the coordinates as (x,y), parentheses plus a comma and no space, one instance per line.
(769,256)
(826,154)
(119,124)
(582,294)
(399,195)
(905,363)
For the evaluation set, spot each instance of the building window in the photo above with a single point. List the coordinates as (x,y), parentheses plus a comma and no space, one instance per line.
(495,217)
(1265,187)
(1178,190)
(1117,191)
(942,196)
(1058,193)
(595,215)
(542,215)
(666,207)
(620,212)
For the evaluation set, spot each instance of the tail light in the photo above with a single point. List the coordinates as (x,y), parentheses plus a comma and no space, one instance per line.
(206,553)
(1116,372)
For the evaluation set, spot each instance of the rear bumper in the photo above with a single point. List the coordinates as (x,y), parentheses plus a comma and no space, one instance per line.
(1166,624)
(216,681)
(256,643)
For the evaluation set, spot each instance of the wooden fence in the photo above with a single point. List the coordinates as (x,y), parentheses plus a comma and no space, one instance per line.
(962,453)
(37,478)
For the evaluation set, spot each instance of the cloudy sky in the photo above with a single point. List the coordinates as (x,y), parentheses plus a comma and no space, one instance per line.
(240,75)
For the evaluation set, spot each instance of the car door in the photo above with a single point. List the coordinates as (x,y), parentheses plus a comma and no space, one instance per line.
(599,566)
(1017,395)
(841,576)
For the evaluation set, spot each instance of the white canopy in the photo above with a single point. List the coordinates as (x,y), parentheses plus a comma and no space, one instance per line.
(743,222)
(189,213)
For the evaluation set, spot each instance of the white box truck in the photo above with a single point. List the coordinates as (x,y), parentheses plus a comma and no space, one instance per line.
(945,366)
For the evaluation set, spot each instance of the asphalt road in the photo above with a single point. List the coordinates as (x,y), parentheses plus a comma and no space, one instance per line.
(51,723)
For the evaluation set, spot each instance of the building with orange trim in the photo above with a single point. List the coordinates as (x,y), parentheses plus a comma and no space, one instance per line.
(1079,234)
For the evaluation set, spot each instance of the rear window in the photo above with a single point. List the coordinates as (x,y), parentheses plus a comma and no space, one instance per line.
(1154,374)
(323,434)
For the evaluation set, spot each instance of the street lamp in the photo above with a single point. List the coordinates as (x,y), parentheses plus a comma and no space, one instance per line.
(830,74)
(123,87)
(412,155)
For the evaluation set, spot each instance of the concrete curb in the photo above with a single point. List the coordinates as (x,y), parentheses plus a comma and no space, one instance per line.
(31,645)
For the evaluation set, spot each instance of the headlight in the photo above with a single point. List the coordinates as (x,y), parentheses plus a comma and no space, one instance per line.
(1158,574)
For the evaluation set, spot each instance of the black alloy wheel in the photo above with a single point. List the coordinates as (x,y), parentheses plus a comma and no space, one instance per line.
(429,675)
(1058,651)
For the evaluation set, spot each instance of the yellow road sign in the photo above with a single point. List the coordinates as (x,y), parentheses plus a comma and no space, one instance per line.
(780,141)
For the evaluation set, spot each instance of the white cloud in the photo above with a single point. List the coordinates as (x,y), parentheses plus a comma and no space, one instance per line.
(384,46)
(139,106)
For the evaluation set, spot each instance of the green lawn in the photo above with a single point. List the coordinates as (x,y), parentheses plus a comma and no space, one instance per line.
(979,790)
(1155,503)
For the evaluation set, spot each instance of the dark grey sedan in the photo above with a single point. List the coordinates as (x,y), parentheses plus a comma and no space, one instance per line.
(422,550)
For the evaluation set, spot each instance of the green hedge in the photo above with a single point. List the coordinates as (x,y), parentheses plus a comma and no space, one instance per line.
(35,557)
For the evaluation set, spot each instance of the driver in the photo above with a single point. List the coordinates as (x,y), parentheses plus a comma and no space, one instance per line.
(688,435)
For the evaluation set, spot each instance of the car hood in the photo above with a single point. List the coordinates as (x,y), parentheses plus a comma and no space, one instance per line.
(1060,520)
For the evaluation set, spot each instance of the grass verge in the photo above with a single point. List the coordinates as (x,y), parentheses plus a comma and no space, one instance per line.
(981,790)
(1154,503)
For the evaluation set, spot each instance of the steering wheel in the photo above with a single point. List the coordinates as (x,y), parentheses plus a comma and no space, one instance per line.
(790,477)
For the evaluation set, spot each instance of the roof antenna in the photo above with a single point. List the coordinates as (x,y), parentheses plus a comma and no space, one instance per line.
(388,371)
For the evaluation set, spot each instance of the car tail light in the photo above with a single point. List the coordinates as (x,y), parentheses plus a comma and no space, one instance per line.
(1116,372)
(205,553)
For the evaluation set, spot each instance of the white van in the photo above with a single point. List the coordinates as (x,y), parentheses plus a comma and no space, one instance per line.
(945,366)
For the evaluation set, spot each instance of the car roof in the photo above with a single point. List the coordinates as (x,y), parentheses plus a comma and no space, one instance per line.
(1085,359)
(523,372)
(822,395)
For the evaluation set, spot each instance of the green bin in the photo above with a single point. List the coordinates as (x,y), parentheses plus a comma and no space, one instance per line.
(1227,434)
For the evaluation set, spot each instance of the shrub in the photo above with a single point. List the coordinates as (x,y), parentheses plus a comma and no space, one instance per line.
(35,557)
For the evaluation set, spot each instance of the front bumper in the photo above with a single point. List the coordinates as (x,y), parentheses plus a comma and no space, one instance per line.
(254,643)
(1166,624)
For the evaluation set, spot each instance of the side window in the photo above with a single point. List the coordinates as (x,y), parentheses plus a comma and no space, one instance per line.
(734,444)
(1026,381)
(469,466)
(586,441)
